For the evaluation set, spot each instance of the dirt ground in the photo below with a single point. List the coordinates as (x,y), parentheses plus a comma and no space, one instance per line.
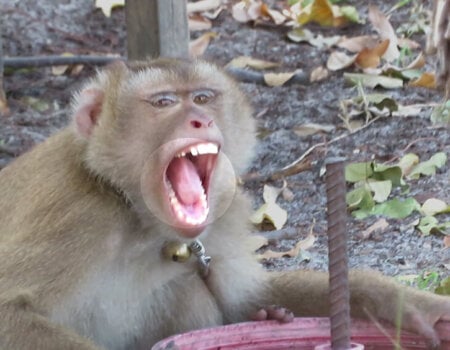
(32,28)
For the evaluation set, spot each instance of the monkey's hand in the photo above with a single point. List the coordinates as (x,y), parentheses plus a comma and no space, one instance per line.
(421,312)
(273,312)
(374,296)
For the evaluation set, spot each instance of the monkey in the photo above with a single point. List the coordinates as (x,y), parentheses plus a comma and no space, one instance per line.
(124,227)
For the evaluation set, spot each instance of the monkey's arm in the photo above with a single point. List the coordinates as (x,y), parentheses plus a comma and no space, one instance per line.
(371,295)
(25,327)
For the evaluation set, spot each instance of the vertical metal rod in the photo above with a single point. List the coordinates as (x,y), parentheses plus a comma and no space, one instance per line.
(337,254)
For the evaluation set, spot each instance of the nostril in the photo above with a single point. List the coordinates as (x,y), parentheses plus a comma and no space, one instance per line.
(196,124)
(210,123)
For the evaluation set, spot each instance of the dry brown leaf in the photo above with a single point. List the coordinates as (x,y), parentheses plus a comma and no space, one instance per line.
(339,60)
(60,70)
(385,30)
(379,225)
(276,16)
(322,12)
(357,43)
(245,61)
(426,80)
(213,14)
(258,242)
(408,43)
(304,35)
(287,194)
(245,11)
(4,108)
(318,74)
(447,241)
(371,58)
(270,210)
(277,79)
(198,46)
(418,62)
(203,5)
(199,23)
(312,128)
(107,5)
(76,70)
(304,244)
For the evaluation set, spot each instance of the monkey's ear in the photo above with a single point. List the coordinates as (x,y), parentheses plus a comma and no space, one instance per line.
(88,110)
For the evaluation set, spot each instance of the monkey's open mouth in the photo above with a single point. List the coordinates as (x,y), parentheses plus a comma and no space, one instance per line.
(188,176)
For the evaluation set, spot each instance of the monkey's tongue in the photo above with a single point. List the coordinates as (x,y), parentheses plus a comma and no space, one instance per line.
(185,181)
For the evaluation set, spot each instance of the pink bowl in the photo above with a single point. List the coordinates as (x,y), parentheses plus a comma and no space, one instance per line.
(302,333)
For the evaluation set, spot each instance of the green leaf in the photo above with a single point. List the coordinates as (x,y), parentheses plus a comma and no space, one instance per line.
(36,103)
(270,193)
(408,162)
(361,198)
(107,5)
(411,73)
(351,13)
(371,81)
(355,172)
(429,167)
(441,114)
(428,281)
(271,212)
(444,287)
(426,224)
(433,206)
(394,208)
(429,224)
(362,213)
(388,172)
(381,190)
(382,101)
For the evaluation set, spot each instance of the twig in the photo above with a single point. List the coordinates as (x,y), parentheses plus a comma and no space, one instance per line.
(284,233)
(242,75)
(408,146)
(46,61)
(297,166)
(321,144)
(276,175)
(248,76)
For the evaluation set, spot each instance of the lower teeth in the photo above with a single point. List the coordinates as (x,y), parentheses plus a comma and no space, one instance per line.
(178,209)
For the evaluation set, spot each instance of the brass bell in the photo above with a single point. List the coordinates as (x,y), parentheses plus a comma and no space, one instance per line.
(176,251)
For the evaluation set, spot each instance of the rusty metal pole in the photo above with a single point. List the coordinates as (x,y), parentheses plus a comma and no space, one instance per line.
(337,254)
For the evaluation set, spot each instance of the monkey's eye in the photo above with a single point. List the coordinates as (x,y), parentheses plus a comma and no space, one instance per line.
(163,100)
(203,97)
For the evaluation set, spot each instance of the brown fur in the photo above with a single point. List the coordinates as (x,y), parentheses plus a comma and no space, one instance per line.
(80,254)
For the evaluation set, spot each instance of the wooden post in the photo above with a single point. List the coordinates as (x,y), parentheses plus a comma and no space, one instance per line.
(157,28)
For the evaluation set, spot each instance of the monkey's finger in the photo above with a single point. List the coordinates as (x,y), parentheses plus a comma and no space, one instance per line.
(260,315)
(279,313)
(288,317)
